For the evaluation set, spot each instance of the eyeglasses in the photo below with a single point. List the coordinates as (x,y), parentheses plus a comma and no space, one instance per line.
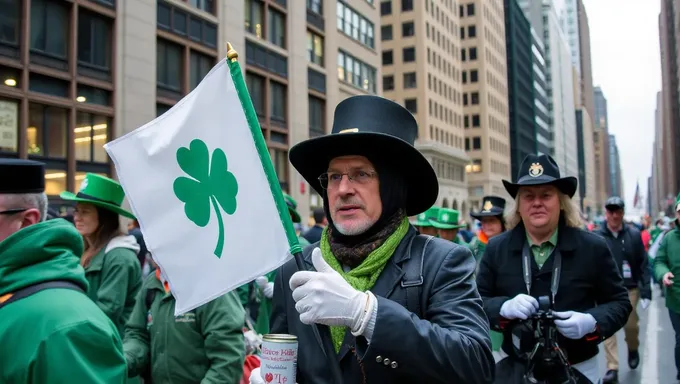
(332,180)
(13,211)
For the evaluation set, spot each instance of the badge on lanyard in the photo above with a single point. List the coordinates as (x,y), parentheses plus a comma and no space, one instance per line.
(627,273)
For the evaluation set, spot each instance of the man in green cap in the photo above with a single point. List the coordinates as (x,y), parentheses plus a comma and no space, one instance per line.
(423,224)
(54,331)
(447,225)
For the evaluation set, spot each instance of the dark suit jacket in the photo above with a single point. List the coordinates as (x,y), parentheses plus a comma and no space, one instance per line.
(450,345)
(313,234)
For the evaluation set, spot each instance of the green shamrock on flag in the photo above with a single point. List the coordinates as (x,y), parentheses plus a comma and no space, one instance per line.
(210,183)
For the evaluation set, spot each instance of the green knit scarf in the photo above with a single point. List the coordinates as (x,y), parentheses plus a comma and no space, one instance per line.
(363,277)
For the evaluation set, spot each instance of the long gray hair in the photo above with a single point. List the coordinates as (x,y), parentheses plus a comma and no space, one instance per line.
(569,212)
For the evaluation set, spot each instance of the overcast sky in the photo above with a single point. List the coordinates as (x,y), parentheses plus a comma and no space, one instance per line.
(624,37)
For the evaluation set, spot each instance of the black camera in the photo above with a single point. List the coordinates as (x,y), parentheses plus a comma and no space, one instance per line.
(547,362)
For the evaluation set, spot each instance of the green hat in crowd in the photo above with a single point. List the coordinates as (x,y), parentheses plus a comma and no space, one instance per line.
(100,191)
(423,220)
(292,207)
(446,219)
(677,203)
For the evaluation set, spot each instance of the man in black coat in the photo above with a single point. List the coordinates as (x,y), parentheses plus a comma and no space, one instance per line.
(545,253)
(400,307)
(625,242)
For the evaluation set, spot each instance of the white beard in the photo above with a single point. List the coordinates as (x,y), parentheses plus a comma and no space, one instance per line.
(354,230)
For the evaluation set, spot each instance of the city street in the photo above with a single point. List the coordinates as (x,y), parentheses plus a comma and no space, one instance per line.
(656,348)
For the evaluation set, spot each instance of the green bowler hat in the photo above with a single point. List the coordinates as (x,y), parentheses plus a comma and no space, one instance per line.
(100,191)
(446,219)
(292,207)
(423,220)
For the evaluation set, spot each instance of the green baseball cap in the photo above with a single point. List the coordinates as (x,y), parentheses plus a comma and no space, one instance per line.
(422,220)
(446,219)
(100,191)
(292,207)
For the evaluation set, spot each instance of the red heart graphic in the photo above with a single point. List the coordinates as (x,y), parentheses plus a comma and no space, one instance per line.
(268,377)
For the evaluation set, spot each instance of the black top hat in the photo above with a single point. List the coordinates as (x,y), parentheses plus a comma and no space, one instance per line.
(369,125)
(613,203)
(492,206)
(21,176)
(541,170)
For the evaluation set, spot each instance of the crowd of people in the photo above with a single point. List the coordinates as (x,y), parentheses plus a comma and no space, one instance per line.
(393,289)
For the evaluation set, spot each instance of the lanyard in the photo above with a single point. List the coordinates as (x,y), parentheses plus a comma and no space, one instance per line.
(557,266)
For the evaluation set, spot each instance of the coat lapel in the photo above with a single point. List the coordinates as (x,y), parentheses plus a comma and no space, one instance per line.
(388,280)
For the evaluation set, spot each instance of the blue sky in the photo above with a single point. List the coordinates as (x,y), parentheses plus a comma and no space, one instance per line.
(624,38)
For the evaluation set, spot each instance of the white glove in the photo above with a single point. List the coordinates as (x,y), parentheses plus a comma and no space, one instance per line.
(266,286)
(575,325)
(645,303)
(256,377)
(520,307)
(324,297)
(261,281)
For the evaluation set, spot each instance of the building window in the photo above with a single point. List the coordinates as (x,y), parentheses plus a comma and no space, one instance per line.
(280,160)
(317,116)
(315,6)
(385,8)
(411,105)
(356,72)
(10,24)
(161,109)
(387,57)
(256,90)
(47,130)
(276,28)
(199,66)
(467,144)
(55,181)
(277,101)
(388,83)
(472,31)
(463,77)
(254,17)
(409,54)
(169,65)
(386,32)
(473,53)
(315,48)
(204,5)
(355,25)
(474,167)
(475,120)
(9,125)
(406,5)
(90,135)
(92,95)
(181,23)
(408,29)
(94,41)
(471,9)
(476,143)
(49,27)
(410,80)
(474,98)
(474,76)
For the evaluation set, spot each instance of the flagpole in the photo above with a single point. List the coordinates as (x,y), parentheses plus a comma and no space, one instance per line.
(324,338)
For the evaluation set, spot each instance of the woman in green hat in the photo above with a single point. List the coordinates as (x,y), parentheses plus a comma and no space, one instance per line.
(447,225)
(110,257)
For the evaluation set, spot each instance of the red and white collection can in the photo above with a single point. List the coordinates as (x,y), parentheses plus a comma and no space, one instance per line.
(278,360)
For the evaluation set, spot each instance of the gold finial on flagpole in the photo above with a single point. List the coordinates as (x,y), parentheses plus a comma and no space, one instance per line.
(231,53)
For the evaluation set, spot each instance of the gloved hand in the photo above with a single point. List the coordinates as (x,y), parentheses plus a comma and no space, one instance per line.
(575,325)
(645,303)
(324,297)
(256,377)
(266,286)
(520,307)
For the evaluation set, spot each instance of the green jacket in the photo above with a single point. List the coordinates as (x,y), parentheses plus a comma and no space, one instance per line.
(668,260)
(477,248)
(205,345)
(55,335)
(115,276)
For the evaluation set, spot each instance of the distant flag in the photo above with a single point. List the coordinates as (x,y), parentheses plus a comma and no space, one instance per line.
(202,185)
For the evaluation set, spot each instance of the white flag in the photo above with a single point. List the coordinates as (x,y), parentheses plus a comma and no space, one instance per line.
(200,181)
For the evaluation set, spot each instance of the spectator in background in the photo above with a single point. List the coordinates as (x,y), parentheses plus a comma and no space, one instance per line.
(313,234)
(134,230)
